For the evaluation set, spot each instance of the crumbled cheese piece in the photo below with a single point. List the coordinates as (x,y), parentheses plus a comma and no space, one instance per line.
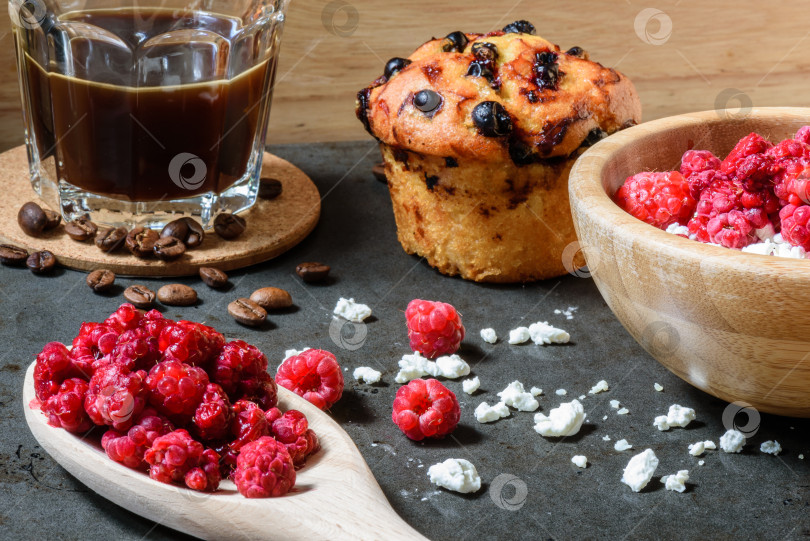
(600,387)
(732,441)
(489,336)
(677,416)
(614,404)
(658,387)
(455,474)
(519,336)
(568,312)
(640,470)
(415,366)
(293,352)
(561,392)
(471,385)
(582,397)
(580,461)
(485,413)
(605,438)
(452,366)
(367,374)
(801,457)
(353,311)
(701,462)
(604,417)
(698,448)
(678,229)
(543,333)
(565,420)
(622,445)
(676,482)
(770,447)
(536,391)
(623,411)
(516,396)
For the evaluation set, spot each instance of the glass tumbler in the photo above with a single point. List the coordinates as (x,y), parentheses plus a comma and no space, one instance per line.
(138,112)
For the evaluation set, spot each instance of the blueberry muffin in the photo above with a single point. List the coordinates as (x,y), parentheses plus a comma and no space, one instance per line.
(478,133)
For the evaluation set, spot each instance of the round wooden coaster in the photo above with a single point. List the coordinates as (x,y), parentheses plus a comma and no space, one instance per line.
(273,226)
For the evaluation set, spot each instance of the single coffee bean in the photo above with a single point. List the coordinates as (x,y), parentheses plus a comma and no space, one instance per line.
(32,219)
(229,226)
(109,239)
(271,298)
(313,272)
(12,255)
(213,277)
(379,172)
(81,229)
(247,312)
(41,262)
(176,228)
(177,295)
(139,296)
(101,280)
(168,248)
(53,217)
(186,230)
(269,188)
(141,241)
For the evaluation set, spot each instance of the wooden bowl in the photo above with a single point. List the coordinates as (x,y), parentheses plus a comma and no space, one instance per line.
(733,324)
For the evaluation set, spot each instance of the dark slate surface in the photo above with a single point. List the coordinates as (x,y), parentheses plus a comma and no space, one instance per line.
(531,489)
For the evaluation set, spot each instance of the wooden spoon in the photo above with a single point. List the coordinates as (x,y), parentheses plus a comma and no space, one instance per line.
(335,494)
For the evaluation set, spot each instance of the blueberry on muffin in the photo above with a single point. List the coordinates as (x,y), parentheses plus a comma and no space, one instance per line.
(478,133)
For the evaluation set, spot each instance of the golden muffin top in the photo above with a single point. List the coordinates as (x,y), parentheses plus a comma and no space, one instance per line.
(505,94)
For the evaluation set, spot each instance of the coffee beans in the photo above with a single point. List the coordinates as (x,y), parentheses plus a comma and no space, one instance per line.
(213,277)
(196,234)
(176,228)
(32,219)
(139,296)
(53,219)
(247,312)
(101,280)
(229,226)
(186,230)
(271,298)
(141,241)
(81,229)
(110,239)
(177,295)
(313,272)
(12,255)
(168,248)
(41,262)
(269,188)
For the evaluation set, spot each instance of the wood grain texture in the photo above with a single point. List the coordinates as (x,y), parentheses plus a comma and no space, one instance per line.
(730,323)
(335,495)
(273,226)
(757,49)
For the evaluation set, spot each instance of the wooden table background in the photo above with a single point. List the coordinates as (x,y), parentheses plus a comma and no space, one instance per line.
(689,56)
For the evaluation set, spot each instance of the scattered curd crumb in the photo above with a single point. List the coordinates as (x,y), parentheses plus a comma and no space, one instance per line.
(801,457)
(471,385)
(732,441)
(582,397)
(604,417)
(561,392)
(676,416)
(565,420)
(293,352)
(614,404)
(452,366)
(622,445)
(640,470)
(516,396)
(353,311)
(484,413)
(568,312)
(623,411)
(413,366)
(770,447)
(581,461)
(536,391)
(658,387)
(489,336)
(543,333)
(678,229)
(698,448)
(367,374)
(600,387)
(605,438)
(455,474)
(519,336)
(676,482)
(701,462)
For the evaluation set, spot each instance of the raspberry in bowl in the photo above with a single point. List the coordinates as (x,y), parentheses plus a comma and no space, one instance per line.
(723,319)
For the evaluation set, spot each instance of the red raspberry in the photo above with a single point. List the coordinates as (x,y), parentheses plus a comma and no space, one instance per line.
(698,161)
(264,469)
(241,370)
(116,396)
(212,420)
(292,429)
(128,448)
(754,172)
(700,181)
(315,375)
(190,343)
(262,390)
(803,135)
(89,348)
(125,318)
(65,409)
(659,199)
(731,230)
(53,367)
(153,323)
(752,143)
(794,225)
(249,424)
(136,349)
(434,328)
(176,389)
(425,409)
(177,457)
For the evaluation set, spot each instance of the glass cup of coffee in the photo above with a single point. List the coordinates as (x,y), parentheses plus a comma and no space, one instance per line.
(141,111)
